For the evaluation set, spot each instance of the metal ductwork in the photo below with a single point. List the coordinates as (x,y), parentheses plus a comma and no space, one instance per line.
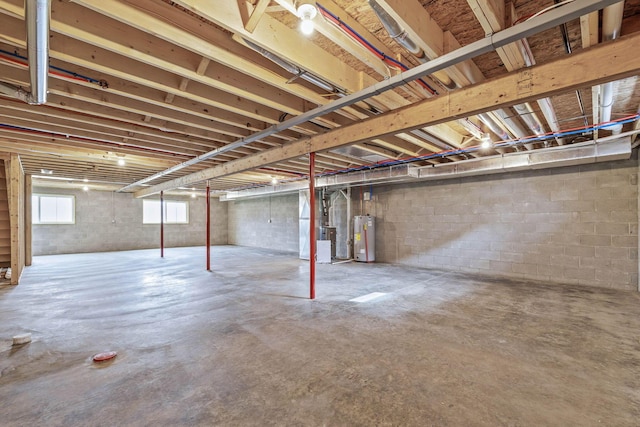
(533,26)
(529,117)
(292,68)
(604,150)
(575,154)
(382,175)
(493,126)
(611,28)
(37,17)
(400,36)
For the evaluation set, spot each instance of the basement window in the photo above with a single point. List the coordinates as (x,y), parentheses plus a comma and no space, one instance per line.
(175,212)
(52,209)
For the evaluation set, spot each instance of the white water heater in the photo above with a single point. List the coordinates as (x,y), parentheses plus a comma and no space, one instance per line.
(364,238)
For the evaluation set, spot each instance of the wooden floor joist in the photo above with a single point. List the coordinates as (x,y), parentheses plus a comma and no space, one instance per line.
(521,86)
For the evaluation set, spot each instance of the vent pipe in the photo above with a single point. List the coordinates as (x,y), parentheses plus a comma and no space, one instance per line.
(292,68)
(611,27)
(37,19)
(400,36)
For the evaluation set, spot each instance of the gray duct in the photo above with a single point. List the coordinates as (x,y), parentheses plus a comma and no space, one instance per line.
(611,27)
(37,19)
(493,126)
(292,68)
(526,29)
(396,32)
(606,149)
(400,36)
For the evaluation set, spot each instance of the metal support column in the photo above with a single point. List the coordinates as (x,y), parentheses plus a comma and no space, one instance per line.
(208,227)
(162,224)
(312,225)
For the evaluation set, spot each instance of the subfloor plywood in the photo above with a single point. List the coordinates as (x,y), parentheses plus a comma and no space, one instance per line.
(242,345)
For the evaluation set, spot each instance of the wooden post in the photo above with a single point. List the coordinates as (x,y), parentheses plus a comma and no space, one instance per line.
(14,173)
(28,226)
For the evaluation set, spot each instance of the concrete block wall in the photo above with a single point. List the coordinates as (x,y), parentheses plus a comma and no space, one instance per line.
(108,221)
(571,225)
(265,222)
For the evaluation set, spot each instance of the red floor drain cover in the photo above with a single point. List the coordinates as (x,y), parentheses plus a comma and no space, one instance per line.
(103,357)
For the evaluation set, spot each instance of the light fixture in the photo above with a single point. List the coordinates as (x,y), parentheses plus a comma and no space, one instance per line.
(274,180)
(306,11)
(193,195)
(85,188)
(85,180)
(46,171)
(121,161)
(486,141)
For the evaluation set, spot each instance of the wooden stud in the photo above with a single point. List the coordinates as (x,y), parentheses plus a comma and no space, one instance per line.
(28,225)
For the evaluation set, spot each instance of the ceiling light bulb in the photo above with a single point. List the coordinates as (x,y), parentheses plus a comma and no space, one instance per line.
(121,162)
(307,10)
(307,26)
(193,195)
(85,180)
(486,144)
(274,180)
(85,188)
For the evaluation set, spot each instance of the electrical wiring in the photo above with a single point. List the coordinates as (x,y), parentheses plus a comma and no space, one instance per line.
(64,136)
(545,10)
(553,6)
(56,71)
(347,29)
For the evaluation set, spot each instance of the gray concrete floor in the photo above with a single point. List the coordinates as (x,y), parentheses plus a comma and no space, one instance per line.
(242,345)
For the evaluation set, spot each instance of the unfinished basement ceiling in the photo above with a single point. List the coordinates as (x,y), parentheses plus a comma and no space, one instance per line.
(159,83)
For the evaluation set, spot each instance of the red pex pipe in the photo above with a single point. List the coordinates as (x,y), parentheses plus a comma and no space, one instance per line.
(208,228)
(312,225)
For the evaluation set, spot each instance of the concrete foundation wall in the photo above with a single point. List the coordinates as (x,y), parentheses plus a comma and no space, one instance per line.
(107,221)
(266,222)
(572,225)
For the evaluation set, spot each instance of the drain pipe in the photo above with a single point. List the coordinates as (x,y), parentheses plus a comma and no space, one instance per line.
(611,27)
(493,126)
(529,117)
(400,36)
(37,18)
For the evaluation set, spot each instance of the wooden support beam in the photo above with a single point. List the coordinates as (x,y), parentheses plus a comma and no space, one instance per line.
(15,191)
(28,226)
(491,15)
(589,29)
(257,12)
(522,86)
